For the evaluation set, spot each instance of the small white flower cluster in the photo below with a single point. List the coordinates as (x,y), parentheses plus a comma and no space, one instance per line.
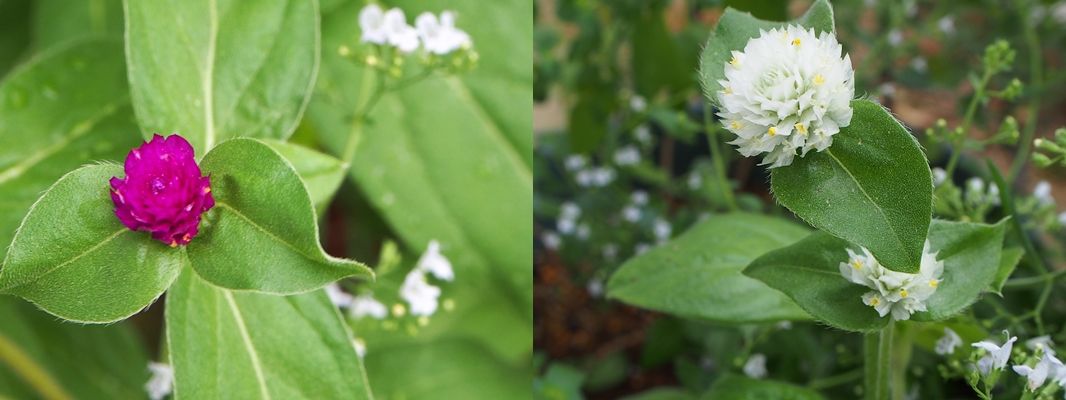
(789,91)
(627,155)
(568,215)
(417,291)
(977,195)
(595,177)
(898,293)
(996,356)
(161,384)
(357,306)
(437,35)
(632,211)
(662,230)
(1043,196)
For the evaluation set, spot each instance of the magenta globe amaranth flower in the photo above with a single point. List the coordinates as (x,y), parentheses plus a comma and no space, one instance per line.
(163,191)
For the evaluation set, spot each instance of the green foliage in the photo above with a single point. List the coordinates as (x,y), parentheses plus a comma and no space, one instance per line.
(262,235)
(37,146)
(226,344)
(452,369)
(212,71)
(734,30)
(1008,261)
(321,173)
(44,358)
(872,187)
(14,32)
(74,259)
(809,273)
(697,274)
(447,158)
(742,388)
(657,63)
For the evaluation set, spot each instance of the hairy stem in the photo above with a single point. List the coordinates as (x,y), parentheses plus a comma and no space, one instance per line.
(878,356)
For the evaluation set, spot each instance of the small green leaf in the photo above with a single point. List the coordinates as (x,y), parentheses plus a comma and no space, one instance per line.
(873,188)
(41,357)
(663,393)
(74,259)
(212,70)
(226,344)
(262,234)
(735,387)
(808,272)
(1008,261)
(734,30)
(322,174)
(697,274)
(53,120)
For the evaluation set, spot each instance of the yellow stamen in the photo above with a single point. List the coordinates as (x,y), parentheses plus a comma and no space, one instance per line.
(727,90)
(735,125)
(173,243)
(819,80)
(772,131)
(933,283)
(903,293)
(801,128)
(733,61)
(207,190)
(857,264)
(796,42)
(186,238)
(875,301)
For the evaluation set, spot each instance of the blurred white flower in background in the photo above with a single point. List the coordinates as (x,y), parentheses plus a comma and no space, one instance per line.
(641,248)
(919,64)
(662,230)
(694,180)
(575,162)
(372,24)
(898,293)
(161,383)
(946,24)
(788,92)
(628,155)
(398,33)
(631,213)
(419,294)
(595,287)
(551,240)
(340,298)
(435,263)
(610,251)
(887,89)
(366,306)
(1042,192)
(637,103)
(939,176)
(583,231)
(360,347)
(1042,343)
(755,367)
(639,197)
(440,36)
(997,356)
(895,37)
(643,134)
(947,343)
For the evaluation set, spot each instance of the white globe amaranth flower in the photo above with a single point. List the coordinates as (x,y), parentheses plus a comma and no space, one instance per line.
(897,293)
(789,91)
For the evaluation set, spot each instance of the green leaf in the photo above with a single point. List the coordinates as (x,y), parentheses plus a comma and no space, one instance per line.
(447,158)
(735,387)
(444,370)
(14,32)
(44,358)
(657,63)
(53,120)
(1008,261)
(734,30)
(697,274)
(971,254)
(213,70)
(322,174)
(872,187)
(808,272)
(73,258)
(662,393)
(58,21)
(262,234)
(226,344)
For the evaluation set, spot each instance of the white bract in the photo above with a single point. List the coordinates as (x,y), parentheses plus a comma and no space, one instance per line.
(1036,375)
(898,293)
(997,355)
(789,91)
(947,343)
(440,36)
(161,383)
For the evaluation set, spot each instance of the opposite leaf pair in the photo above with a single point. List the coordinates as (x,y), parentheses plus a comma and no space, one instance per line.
(74,259)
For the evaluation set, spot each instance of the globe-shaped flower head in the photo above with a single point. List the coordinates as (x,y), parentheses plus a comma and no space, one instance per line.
(163,191)
(789,91)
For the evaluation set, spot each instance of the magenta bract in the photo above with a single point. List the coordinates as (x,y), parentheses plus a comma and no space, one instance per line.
(163,191)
